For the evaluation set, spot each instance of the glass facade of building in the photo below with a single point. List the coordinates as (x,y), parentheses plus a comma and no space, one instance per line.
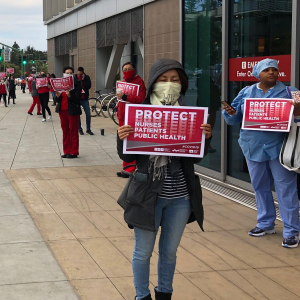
(254,29)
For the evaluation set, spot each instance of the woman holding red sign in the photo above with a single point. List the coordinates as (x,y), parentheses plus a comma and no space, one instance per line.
(261,150)
(163,191)
(68,107)
(3,91)
(130,76)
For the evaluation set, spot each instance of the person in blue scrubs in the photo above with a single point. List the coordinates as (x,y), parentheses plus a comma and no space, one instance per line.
(261,150)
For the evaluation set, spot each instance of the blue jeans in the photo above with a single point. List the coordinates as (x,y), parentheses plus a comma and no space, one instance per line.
(86,107)
(54,97)
(262,176)
(172,215)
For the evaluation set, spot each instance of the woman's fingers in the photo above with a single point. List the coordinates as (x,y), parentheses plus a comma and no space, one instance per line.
(229,110)
(206,130)
(124,131)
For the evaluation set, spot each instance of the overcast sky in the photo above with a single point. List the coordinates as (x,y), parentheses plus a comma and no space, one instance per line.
(22,21)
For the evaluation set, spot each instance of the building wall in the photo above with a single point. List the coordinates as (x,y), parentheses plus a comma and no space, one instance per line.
(162,32)
(87,52)
(85,13)
(51,56)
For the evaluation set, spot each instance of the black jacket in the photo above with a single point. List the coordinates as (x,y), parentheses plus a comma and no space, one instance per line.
(140,202)
(74,107)
(86,84)
(12,85)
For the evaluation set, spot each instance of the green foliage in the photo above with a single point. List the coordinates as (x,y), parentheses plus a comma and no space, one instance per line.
(33,58)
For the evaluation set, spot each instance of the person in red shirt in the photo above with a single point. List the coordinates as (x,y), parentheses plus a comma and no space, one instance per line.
(44,97)
(30,78)
(53,92)
(3,91)
(35,98)
(130,76)
(68,107)
(23,85)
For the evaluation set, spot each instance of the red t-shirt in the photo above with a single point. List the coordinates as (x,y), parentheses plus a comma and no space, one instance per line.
(64,101)
(2,88)
(44,89)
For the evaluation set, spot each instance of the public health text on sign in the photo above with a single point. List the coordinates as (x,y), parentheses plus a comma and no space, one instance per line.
(267,114)
(165,130)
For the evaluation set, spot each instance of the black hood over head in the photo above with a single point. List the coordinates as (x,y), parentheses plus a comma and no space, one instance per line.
(159,67)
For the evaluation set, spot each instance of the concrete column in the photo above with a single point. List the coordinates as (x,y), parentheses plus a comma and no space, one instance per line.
(102,58)
(45,10)
(141,46)
(49,9)
(62,5)
(54,7)
(113,65)
(70,3)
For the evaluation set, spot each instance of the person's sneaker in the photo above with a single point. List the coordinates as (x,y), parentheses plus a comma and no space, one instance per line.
(30,113)
(291,242)
(39,114)
(89,132)
(49,117)
(260,232)
(65,156)
(80,132)
(44,120)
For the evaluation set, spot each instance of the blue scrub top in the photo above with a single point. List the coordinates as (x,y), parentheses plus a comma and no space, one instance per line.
(258,145)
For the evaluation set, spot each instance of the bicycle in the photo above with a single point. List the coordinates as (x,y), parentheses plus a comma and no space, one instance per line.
(96,103)
(93,104)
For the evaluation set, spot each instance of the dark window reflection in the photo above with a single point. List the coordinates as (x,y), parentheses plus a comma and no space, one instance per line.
(203,64)
(257,28)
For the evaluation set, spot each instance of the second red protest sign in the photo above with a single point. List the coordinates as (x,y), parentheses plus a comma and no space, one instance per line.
(62,84)
(267,114)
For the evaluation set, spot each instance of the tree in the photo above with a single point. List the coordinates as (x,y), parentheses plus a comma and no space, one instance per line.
(15,54)
(191,6)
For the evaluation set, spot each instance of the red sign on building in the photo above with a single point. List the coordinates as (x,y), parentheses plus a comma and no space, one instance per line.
(240,69)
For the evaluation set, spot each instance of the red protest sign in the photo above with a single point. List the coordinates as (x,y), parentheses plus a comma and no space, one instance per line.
(240,69)
(165,130)
(10,70)
(62,84)
(41,81)
(128,88)
(267,114)
(2,74)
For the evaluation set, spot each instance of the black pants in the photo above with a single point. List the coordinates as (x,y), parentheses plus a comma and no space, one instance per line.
(4,98)
(44,99)
(23,88)
(12,94)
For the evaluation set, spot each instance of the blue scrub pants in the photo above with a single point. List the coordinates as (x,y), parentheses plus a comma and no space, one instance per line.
(262,175)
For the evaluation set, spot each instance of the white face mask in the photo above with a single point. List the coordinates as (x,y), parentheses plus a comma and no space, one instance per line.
(67,75)
(165,93)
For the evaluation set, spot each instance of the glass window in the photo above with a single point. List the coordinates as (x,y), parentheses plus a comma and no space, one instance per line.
(258,28)
(202,57)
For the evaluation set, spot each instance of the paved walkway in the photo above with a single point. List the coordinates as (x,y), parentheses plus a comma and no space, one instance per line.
(74,208)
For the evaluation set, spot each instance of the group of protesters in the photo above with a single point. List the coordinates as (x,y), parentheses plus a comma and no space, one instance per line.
(163,191)
(7,86)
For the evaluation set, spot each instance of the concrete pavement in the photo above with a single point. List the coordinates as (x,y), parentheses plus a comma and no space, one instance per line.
(73,205)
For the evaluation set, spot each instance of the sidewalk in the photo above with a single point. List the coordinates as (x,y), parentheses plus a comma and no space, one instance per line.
(73,204)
